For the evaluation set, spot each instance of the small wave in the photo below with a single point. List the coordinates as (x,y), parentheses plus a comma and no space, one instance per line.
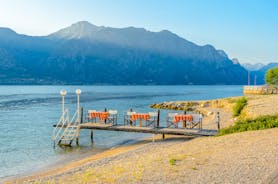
(25,102)
(87,97)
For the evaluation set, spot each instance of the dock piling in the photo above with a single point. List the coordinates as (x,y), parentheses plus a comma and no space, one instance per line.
(184,122)
(105,110)
(92,136)
(218,121)
(158,118)
(82,115)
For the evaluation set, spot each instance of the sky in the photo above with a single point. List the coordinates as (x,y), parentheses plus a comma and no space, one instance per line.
(244,29)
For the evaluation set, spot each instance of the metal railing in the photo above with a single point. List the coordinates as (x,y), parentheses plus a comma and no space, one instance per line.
(72,129)
(63,121)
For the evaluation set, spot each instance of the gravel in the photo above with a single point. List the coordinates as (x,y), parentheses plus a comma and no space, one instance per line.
(248,157)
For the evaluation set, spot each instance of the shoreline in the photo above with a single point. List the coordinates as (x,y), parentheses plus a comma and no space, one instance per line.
(247,157)
(80,167)
(75,164)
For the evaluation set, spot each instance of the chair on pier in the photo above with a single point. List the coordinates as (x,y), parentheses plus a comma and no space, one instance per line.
(112,118)
(170,120)
(127,120)
(90,118)
(197,120)
(153,119)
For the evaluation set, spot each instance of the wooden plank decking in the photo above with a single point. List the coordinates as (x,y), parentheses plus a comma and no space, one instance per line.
(160,130)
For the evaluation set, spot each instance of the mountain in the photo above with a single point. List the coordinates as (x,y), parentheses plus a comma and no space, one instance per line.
(223,53)
(132,38)
(84,53)
(253,67)
(260,73)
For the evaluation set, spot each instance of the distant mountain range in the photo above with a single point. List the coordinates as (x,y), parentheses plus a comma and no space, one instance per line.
(253,67)
(87,54)
(258,71)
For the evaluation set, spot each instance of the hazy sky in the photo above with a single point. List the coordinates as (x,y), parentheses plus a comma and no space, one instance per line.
(245,29)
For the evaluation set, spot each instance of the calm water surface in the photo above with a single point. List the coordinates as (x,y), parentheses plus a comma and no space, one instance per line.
(27,114)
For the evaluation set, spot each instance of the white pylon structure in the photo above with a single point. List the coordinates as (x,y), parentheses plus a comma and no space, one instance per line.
(63,93)
(78,92)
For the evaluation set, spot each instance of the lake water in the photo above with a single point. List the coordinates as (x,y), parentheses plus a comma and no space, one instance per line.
(27,114)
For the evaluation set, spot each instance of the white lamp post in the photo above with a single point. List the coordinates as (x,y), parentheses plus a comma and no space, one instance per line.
(63,94)
(78,92)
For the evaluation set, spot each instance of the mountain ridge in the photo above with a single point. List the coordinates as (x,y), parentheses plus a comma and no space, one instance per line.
(84,53)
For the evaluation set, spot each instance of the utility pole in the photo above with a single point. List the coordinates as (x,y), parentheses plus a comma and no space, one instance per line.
(248,78)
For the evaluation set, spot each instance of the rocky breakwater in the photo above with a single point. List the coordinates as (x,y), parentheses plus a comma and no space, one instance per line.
(208,108)
(225,103)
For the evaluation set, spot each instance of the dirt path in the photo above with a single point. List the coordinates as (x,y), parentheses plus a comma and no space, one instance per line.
(261,105)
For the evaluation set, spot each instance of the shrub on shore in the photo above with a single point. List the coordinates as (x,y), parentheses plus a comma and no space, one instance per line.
(260,123)
(271,76)
(240,104)
(173,161)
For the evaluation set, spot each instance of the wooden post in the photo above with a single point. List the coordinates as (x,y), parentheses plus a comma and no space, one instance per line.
(105,110)
(158,118)
(218,121)
(201,122)
(81,114)
(163,136)
(184,122)
(130,122)
(92,136)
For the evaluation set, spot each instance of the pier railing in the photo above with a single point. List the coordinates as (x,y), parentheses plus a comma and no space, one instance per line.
(63,121)
(70,132)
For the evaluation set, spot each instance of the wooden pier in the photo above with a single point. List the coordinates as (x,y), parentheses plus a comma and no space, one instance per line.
(66,131)
(150,130)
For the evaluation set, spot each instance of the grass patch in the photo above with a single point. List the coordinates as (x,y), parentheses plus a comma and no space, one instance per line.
(194,168)
(172,161)
(240,104)
(260,123)
(231,100)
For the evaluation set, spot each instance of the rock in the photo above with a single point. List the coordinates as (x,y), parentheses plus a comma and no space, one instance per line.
(209,113)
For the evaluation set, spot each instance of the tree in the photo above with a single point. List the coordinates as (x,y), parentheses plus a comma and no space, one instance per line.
(271,76)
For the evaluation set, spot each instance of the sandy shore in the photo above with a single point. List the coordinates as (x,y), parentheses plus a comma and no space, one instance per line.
(247,157)
(261,105)
(75,165)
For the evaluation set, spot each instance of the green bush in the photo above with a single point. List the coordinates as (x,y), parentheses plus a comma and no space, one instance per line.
(240,104)
(260,123)
(271,76)
(173,161)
